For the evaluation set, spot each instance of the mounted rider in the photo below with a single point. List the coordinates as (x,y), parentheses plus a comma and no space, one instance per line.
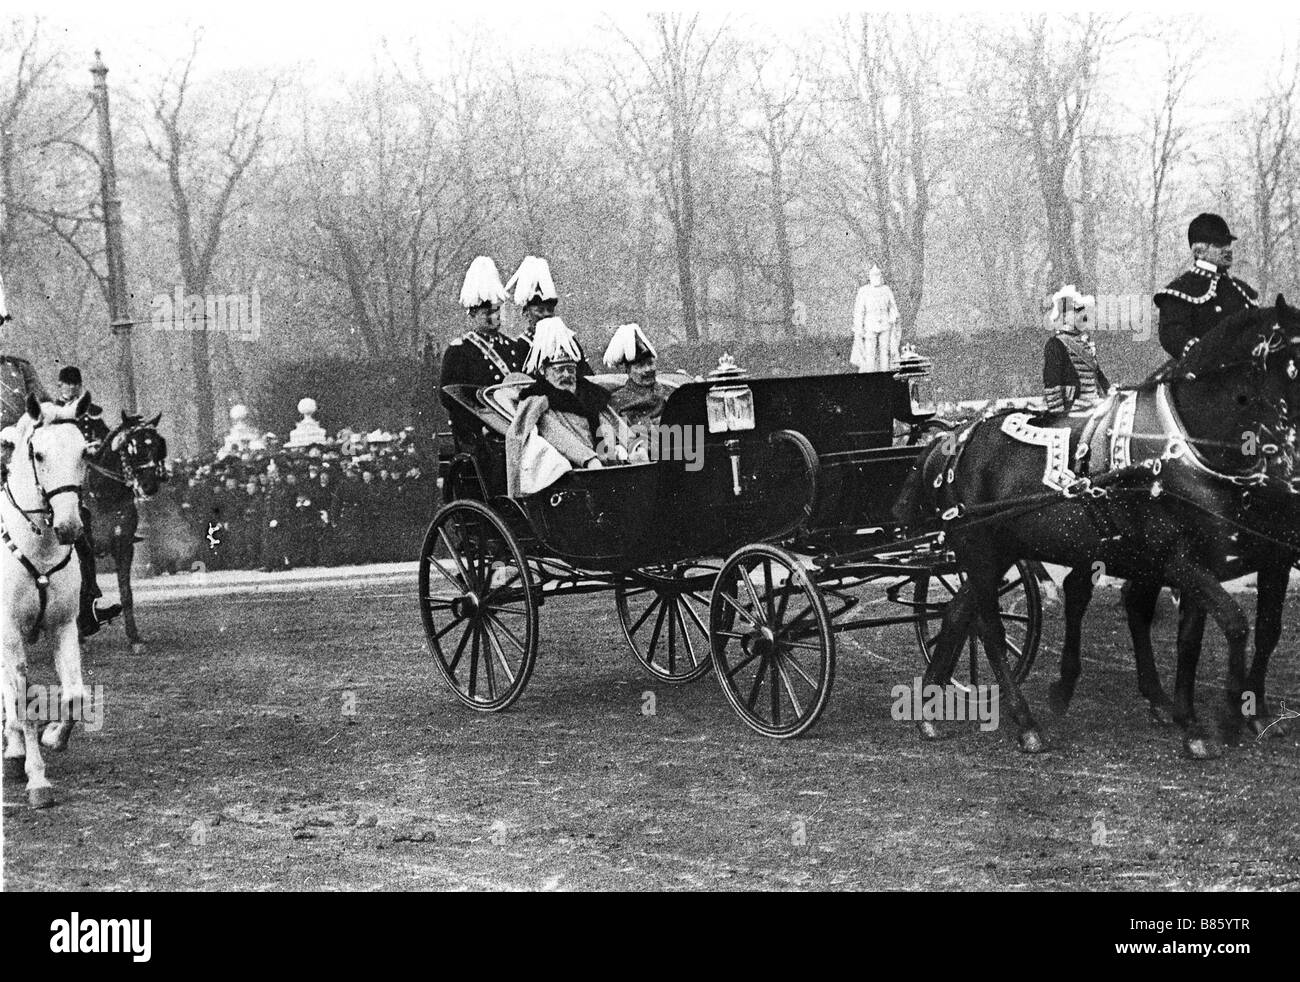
(481,356)
(1072,377)
(17,380)
(1203,295)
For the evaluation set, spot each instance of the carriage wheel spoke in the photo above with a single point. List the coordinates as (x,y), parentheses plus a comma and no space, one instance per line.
(1008,587)
(473,662)
(502,609)
(742,663)
(438,603)
(461,587)
(794,663)
(646,613)
(779,616)
(672,637)
(500,652)
(774,689)
(455,558)
(789,688)
(438,635)
(753,595)
(695,617)
(502,587)
(654,635)
(767,596)
(739,609)
(758,684)
(460,649)
(489,672)
(508,633)
(1022,618)
(686,635)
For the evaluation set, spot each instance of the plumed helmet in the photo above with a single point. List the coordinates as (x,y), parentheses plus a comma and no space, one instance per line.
(628,346)
(482,286)
(1209,228)
(1068,297)
(553,342)
(532,281)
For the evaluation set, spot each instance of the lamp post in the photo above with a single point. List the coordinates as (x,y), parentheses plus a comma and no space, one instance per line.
(118,303)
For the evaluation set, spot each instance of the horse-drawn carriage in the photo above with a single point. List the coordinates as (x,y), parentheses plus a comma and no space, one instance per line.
(744,547)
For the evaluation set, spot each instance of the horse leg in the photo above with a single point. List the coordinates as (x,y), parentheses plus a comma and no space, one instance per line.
(1140,598)
(947,647)
(123,558)
(1259,715)
(1078,594)
(984,578)
(13,689)
(1201,590)
(21,739)
(67,661)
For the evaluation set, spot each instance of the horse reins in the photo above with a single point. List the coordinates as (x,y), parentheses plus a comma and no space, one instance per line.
(41,579)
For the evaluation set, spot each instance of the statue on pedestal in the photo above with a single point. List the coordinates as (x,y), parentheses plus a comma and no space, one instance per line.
(308,432)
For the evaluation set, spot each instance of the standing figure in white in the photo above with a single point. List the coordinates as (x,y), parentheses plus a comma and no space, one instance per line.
(876,332)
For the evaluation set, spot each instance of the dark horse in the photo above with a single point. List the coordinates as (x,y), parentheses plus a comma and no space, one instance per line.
(1190,482)
(130,464)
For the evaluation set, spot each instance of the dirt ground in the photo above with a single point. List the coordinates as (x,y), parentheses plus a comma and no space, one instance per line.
(303,740)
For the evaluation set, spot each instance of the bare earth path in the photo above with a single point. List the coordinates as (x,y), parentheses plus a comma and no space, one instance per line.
(300,740)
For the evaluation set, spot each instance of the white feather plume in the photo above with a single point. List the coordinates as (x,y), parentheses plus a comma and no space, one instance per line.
(482,284)
(1069,293)
(532,280)
(552,341)
(623,345)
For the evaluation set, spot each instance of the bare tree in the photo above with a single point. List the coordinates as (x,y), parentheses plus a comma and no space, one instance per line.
(889,134)
(1052,76)
(1269,130)
(1166,137)
(203,171)
(783,110)
(655,108)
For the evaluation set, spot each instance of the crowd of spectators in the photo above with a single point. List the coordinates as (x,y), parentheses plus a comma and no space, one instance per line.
(353,500)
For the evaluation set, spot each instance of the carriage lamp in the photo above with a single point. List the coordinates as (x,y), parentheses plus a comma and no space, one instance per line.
(730,408)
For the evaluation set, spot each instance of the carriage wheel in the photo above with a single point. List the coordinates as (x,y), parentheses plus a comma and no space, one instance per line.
(478,606)
(1021,602)
(773,645)
(662,611)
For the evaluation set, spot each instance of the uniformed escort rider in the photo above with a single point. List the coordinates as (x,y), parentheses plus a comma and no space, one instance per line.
(1204,294)
(1072,378)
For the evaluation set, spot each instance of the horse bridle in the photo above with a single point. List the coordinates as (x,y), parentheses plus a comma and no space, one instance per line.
(47,496)
(1274,430)
(130,476)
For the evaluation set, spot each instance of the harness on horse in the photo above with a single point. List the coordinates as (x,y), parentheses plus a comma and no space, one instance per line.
(41,579)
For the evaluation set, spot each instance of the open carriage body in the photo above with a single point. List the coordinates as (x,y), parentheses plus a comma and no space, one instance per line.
(744,546)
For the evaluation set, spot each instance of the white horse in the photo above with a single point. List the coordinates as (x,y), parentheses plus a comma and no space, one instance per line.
(42,469)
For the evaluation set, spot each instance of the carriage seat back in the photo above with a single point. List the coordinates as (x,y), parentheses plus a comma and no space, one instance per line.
(503,398)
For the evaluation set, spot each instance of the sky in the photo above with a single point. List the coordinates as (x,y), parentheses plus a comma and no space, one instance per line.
(333,39)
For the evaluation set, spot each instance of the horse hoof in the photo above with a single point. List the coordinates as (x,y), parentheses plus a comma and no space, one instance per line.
(1031,742)
(1199,748)
(55,737)
(40,797)
(1058,700)
(15,768)
(1160,714)
(930,731)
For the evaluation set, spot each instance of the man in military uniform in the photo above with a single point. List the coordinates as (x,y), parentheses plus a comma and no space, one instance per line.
(1204,294)
(536,297)
(1072,377)
(482,355)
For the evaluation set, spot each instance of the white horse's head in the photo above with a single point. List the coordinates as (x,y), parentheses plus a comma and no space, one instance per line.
(45,463)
